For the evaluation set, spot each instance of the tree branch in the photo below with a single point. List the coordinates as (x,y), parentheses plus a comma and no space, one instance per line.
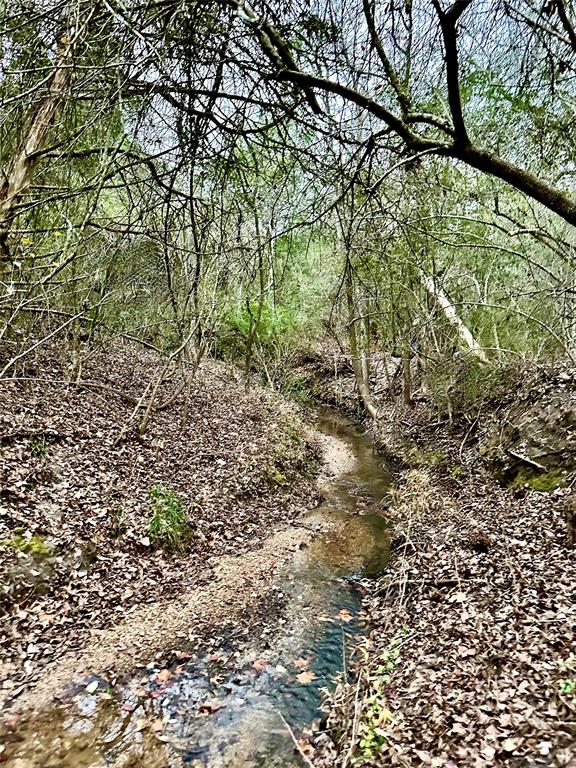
(401,94)
(523,180)
(412,139)
(448,20)
(566,23)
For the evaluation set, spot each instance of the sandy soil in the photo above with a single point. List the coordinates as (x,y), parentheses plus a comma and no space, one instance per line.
(161,626)
(337,459)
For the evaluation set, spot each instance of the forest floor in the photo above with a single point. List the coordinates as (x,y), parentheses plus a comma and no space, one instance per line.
(82,585)
(471,657)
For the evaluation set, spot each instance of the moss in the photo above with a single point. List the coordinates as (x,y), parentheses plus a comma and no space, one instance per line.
(418,457)
(456,470)
(35,546)
(275,477)
(544,482)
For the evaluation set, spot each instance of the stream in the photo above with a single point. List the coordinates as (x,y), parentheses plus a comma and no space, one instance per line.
(243,699)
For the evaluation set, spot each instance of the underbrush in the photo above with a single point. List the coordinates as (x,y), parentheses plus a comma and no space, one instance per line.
(462,388)
(169,527)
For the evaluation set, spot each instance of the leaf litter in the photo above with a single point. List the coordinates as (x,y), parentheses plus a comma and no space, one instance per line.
(75,555)
(482,583)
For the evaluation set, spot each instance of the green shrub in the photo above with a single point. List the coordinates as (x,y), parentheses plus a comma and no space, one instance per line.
(169,526)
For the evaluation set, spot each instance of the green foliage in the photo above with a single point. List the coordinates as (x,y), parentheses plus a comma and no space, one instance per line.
(35,546)
(376,714)
(274,322)
(275,477)
(418,457)
(169,527)
(567,685)
(38,447)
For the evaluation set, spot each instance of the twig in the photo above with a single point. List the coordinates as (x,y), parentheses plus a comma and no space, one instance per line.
(124,430)
(295,740)
(354,733)
(467,435)
(520,457)
(15,359)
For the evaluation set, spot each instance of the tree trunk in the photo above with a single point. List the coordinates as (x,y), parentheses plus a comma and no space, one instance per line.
(18,174)
(406,374)
(451,315)
(359,363)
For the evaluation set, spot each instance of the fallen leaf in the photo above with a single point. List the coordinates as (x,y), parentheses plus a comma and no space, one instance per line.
(163,676)
(509,745)
(210,706)
(306,677)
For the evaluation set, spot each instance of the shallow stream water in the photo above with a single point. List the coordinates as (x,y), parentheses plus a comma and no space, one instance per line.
(244,700)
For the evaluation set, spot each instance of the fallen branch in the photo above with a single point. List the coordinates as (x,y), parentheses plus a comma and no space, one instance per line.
(526,460)
(30,434)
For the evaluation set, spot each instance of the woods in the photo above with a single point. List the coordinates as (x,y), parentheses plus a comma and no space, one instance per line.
(219,218)
(170,171)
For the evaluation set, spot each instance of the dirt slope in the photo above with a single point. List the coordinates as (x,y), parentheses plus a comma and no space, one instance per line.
(75,549)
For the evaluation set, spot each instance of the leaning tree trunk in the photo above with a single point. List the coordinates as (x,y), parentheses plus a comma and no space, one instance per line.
(18,174)
(452,317)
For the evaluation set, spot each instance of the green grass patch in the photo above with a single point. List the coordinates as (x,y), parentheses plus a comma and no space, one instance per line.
(38,447)
(169,527)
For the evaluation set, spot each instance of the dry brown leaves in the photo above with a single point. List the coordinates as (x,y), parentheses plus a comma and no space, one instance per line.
(486,583)
(64,478)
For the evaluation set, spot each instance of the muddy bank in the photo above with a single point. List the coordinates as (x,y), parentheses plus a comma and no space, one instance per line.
(77,499)
(230,673)
(472,657)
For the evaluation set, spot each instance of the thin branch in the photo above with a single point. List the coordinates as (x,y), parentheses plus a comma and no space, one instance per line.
(448,20)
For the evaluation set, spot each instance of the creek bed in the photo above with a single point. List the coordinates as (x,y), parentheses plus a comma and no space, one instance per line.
(242,701)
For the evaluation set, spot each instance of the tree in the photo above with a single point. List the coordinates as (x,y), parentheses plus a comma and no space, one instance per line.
(405,102)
